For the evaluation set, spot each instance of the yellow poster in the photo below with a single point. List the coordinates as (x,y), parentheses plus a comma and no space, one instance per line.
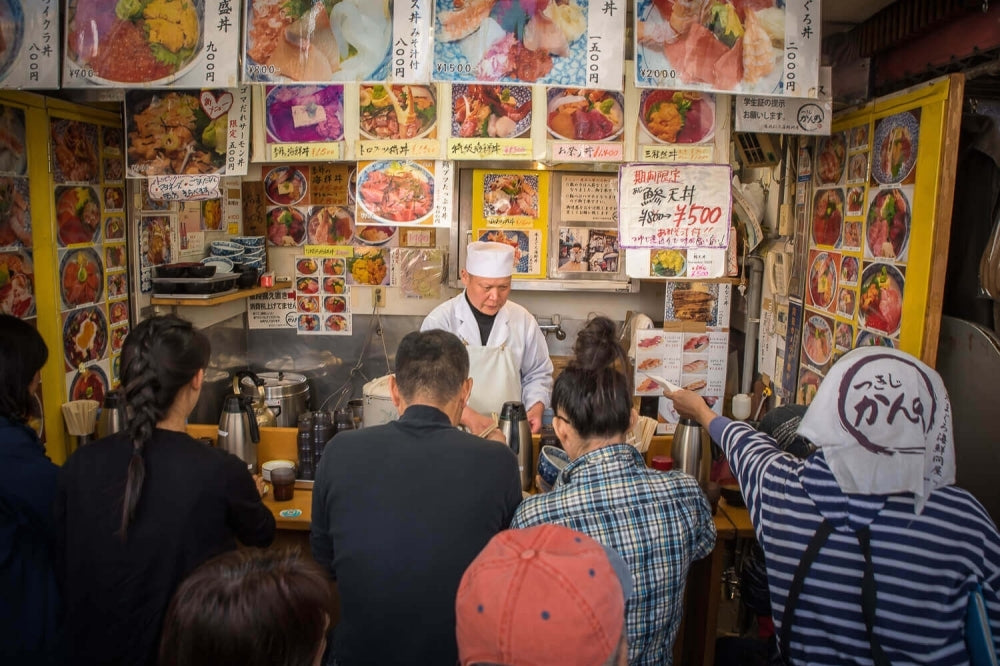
(511,206)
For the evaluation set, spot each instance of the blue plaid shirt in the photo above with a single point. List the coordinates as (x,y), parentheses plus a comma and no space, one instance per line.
(659,522)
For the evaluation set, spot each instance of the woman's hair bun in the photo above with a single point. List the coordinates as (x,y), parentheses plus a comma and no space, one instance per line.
(596,345)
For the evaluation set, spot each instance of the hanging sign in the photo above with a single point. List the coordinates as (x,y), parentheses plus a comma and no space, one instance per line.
(775,115)
(766,47)
(111,43)
(676,206)
(571,43)
(322,41)
(30,57)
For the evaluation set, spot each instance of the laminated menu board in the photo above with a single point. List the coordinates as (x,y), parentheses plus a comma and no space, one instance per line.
(151,43)
(17,272)
(568,43)
(490,122)
(29,35)
(585,124)
(766,47)
(398,120)
(321,41)
(879,216)
(510,206)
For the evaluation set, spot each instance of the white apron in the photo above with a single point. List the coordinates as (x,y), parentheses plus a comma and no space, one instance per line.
(495,378)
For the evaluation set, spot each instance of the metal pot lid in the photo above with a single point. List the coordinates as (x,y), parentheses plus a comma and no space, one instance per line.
(308,363)
(278,384)
(213,375)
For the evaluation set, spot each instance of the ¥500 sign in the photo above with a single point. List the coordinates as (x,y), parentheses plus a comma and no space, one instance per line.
(674,206)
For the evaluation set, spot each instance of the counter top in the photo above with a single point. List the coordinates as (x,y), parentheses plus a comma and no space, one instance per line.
(302,500)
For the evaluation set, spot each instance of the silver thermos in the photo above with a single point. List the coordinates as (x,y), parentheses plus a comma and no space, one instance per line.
(687,450)
(238,432)
(515,427)
(113,415)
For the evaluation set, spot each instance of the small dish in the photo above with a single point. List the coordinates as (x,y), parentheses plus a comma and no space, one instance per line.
(222,264)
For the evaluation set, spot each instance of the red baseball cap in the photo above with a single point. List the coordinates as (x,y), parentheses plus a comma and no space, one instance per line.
(541,596)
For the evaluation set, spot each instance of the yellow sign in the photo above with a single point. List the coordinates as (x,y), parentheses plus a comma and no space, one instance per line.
(412,149)
(330,251)
(675,153)
(511,207)
(303,152)
(499,149)
(587,151)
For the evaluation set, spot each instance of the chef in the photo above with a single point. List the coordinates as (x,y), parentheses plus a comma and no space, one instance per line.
(508,358)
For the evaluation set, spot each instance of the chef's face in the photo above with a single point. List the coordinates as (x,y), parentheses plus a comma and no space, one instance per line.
(487,295)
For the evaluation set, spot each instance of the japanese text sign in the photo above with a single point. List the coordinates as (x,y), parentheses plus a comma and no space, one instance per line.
(30,58)
(674,206)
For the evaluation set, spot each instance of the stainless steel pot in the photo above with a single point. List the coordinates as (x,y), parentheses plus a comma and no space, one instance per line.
(214,389)
(286,393)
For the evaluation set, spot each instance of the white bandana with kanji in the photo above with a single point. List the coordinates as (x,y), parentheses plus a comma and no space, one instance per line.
(884,423)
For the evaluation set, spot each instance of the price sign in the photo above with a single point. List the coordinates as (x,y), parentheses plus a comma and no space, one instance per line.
(674,206)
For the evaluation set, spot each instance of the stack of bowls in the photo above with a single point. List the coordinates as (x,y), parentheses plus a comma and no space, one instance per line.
(253,251)
(227,250)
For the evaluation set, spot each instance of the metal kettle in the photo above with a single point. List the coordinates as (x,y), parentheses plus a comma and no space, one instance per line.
(238,431)
(265,416)
(515,427)
(687,450)
(113,416)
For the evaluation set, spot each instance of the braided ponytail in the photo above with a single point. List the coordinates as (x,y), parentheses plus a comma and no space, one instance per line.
(160,356)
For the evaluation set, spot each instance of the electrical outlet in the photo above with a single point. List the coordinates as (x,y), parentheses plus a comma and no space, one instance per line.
(378,297)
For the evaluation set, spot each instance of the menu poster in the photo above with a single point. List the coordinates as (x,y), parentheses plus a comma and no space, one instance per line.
(30,58)
(571,43)
(586,249)
(490,121)
(310,41)
(322,297)
(677,126)
(585,124)
(687,355)
(303,122)
(155,247)
(675,206)
(17,291)
(391,193)
(511,207)
(109,44)
(704,302)
(761,48)
(180,131)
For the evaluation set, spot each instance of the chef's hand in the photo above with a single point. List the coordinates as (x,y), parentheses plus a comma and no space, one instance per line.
(535,417)
(691,405)
(261,486)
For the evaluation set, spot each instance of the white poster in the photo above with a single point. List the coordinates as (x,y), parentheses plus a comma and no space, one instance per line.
(30,34)
(777,115)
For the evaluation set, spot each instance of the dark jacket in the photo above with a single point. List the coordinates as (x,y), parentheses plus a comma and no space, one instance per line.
(196,502)
(399,512)
(29,595)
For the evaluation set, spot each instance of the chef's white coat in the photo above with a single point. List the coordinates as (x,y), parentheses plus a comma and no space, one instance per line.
(516,329)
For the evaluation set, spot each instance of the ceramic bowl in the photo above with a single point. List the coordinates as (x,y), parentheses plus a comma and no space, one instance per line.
(249,241)
(272,465)
(254,253)
(226,249)
(551,462)
(222,264)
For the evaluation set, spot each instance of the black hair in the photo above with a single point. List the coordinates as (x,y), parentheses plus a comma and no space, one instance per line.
(22,354)
(592,393)
(431,363)
(252,607)
(159,357)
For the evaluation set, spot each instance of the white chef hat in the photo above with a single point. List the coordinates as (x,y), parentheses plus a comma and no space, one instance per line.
(489,260)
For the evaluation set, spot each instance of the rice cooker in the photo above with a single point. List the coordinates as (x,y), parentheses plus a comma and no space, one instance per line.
(378,407)
(286,393)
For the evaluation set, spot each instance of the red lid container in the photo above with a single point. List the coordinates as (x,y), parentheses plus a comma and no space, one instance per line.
(662,463)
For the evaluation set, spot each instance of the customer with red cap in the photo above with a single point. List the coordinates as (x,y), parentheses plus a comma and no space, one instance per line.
(540,596)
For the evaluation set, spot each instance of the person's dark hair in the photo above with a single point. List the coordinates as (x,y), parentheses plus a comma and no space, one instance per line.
(431,363)
(159,357)
(251,607)
(22,354)
(592,393)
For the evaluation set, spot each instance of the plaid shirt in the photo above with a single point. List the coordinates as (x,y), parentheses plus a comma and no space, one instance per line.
(659,522)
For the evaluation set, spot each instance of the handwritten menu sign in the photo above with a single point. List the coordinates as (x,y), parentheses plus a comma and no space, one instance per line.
(681,206)
(111,44)
(30,58)
(589,199)
(237,131)
(185,188)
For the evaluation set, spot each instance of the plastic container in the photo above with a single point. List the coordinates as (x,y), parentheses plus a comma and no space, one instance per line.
(323,431)
(662,463)
(304,444)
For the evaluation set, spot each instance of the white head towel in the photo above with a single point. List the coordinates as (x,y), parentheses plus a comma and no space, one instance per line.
(884,423)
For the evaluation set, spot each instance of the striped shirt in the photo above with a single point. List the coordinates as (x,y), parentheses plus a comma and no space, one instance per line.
(659,522)
(925,565)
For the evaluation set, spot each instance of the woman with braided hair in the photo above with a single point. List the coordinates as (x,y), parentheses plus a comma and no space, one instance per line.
(141,509)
